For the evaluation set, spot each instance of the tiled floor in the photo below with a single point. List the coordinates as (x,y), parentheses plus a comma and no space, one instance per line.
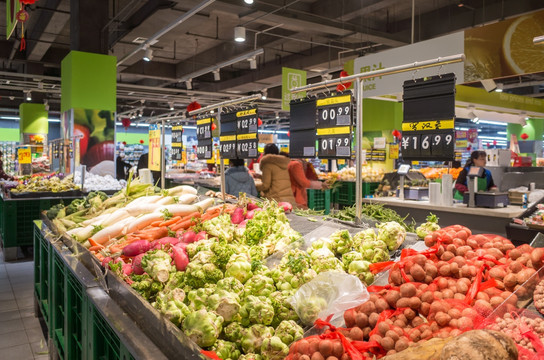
(21,335)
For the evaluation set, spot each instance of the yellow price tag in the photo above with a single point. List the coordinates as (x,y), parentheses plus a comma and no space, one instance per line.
(25,155)
(428,125)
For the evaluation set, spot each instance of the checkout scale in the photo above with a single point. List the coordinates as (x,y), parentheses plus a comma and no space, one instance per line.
(477,195)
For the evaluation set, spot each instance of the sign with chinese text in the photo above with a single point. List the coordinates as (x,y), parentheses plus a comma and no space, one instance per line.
(154,162)
(428,125)
(291,78)
(204,149)
(177,142)
(24,155)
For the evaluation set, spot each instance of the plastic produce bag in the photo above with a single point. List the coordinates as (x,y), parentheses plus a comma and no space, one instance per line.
(329,293)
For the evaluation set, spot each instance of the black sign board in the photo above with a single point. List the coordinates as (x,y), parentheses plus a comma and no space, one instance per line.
(429,118)
(302,144)
(228,123)
(204,128)
(302,115)
(204,149)
(227,146)
(246,146)
(177,142)
(247,121)
(334,131)
(238,137)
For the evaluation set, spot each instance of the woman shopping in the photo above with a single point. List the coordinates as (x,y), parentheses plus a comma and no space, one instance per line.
(485,181)
(276,183)
(303,177)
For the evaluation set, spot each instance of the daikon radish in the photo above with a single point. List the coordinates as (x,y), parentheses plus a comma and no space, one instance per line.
(187,199)
(111,232)
(81,234)
(166,200)
(141,222)
(115,217)
(182,189)
(93,220)
(144,200)
(204,204)
(143,209)
(177,209)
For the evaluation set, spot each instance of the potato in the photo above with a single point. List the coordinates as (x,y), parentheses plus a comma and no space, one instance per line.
(417,321)
(465,323)
(387,343)
(444,270)
(442,318)
(304,357)
(395,276)
(524,275)
(447,256)
(302,347)
(376,338)
(403,302)
(447,294)
(454,313)
(442,283)
(373,319)
(414,303)
(325,347)
(332,358)
(453,323)
(483,307)
(431,269)
(482,296)
(314,346)
(345,356)
(438,295)
(401,344)
(480,345)
(356,333)
(368,307)
(454,269)
(515,267)
(317,356)
(392,297)
(400,323)
(462,250)
(537,257)
(366,332)
(417,272)
(465,271)
(409,314)
(392,335)
(424,309)
(407,290)
(381,305)
(427,297)
(496,301)
(510,280)
(337,349)
(439,306)
(415,335)
(361,319)
(383,327)
(459,296)
(349,317)
(473,243)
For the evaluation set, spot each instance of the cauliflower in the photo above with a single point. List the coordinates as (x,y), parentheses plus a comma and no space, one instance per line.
(349,257)
(282,308)
(197,275)
(226,350)
(197,299)
(374,251)
(224,303)
(360,269)
(429,227)
(363,236)
(201,245)
(230,284)
(289,331)
(259,285)
(220,227)
(391,233)
(222,251)
(323,264)
(157,265)
(287,280)
(273,348)
(239,267)
(253,337)
(203,327)
(233,331)
(250,356)
(341,242)
(256,310)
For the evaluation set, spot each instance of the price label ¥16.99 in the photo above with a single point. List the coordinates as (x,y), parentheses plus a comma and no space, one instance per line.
(425,145)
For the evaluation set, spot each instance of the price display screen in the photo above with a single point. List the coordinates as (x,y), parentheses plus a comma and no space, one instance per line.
(429,119)
(334,111)
(177,143)
(204,149)
(247,121)
(246,146)
(334,142)
(204,129)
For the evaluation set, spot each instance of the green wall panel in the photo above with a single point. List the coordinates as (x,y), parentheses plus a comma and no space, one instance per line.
(131,138)
(33,119)
(534,128)
(381,115)
(88,81)
(10,134)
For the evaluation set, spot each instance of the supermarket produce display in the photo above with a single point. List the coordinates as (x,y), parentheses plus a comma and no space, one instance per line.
(240,281)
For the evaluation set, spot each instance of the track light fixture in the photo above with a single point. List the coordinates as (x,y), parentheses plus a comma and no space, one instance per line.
(217,75)
(249,2)
(28,96)
(171,104)
(189,84)
(239,34)
(46,105)
(253,63)
(264,93)
(148,55)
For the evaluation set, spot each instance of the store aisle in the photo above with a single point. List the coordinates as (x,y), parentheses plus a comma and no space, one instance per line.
(21,335)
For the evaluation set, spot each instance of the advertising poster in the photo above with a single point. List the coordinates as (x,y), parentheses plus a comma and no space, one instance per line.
(291,78)
(154,163)
(505,48)
(96,132)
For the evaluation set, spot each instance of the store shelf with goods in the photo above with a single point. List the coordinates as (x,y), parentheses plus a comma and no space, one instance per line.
(9,156)
(131,153)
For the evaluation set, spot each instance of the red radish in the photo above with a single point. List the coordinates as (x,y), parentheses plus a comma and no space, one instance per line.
(106,261)
(243,223)
(180,258)
(136,248)
(237,216)
(137,264)
(127,269)
(250,214)
(188,237)
(252,206)
(181,245)
(287,207)
(161,243)
(202,235)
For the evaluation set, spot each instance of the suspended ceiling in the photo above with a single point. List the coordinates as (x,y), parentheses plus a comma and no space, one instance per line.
(314,35)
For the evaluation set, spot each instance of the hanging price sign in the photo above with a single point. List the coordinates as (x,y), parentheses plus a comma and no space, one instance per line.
(204,149)
(247,121)
(429,118)
(246,146)
(154,161)
(334,142)
(334,111)
(228,146)
(204,129)
(334,120)
(24,155)
(177,143)
(56,150)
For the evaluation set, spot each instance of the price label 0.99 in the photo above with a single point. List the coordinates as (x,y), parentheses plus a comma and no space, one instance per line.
(334,142)
(204,129)
(247,121)
(334,111)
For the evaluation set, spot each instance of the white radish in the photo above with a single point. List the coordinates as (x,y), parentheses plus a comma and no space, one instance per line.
(141,222)
(95,220)
(187,199)
(177,209)
(143,209)
(204,204)
(110,232)
(144,200)
(81,234)
(166,200)
(115,217)
(182,189)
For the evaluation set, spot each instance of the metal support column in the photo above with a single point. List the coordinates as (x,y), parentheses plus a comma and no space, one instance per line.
(358,151)
(163,154)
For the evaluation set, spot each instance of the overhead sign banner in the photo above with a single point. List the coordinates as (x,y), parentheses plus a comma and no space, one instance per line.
(505,48)
(291,78)
(154,162)
(425,50)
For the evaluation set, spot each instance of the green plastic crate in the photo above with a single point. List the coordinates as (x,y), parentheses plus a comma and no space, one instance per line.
(103,343)
(42,249)
(344,194)
(75,300)
(369,188)
(57,312)
(319,200)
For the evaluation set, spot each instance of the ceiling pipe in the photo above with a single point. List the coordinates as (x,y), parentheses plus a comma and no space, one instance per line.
(166,29)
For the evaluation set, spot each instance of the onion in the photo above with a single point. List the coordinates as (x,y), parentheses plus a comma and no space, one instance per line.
(100,152)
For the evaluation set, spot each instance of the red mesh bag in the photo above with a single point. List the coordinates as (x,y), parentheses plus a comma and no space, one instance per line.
(455,234)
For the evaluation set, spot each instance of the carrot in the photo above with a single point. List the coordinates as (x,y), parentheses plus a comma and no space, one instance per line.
(96,248)
(183,225)
(99,256)
(156,223)
(171,221)
(94,243)
(115,248)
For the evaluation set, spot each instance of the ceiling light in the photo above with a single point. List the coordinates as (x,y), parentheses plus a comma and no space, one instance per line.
(148,55)
(29,96)
(212,111)
(46,105)
(249,2)
(264,93)
(12,98)
(277,116)
(538,40)
(239,34)
(189,84)
(171,104)
(252,63)
(216,75)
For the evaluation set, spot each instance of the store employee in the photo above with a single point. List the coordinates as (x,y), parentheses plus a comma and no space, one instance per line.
(485,182)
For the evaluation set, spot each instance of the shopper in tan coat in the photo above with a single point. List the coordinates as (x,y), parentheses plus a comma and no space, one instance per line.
(276,183)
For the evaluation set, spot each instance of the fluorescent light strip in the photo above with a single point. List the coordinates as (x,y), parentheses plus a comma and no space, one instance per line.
(9,117)
(501,132)
(498,123)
